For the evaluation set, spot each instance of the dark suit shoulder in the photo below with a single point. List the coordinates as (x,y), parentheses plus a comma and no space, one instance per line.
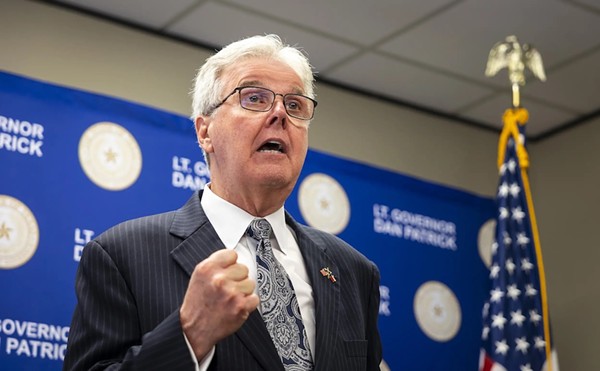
(152,225)
(170,226)
(139,252)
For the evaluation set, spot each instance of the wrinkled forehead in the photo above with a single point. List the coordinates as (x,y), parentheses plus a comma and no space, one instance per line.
(265,72)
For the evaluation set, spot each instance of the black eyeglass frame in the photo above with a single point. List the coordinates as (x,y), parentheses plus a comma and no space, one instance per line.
(240,88)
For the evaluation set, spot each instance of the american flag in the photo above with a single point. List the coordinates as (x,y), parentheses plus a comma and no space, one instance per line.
(516,334)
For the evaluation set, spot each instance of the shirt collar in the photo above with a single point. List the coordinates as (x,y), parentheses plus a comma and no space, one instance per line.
(230,222)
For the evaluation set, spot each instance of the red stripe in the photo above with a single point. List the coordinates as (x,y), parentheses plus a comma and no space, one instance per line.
(487,363)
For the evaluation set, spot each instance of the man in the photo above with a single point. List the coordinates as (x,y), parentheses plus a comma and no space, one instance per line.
(178,291)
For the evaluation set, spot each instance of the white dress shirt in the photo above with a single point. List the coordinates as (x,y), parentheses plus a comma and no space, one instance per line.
(230,222)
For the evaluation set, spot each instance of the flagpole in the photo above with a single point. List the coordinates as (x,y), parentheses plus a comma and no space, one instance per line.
(511,119)
(516,57)
(516,95)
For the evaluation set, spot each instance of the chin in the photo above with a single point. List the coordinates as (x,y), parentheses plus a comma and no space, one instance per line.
(274,175)
(276,180)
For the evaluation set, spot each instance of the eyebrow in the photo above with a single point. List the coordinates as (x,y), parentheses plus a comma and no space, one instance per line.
(250,83)
(258,83)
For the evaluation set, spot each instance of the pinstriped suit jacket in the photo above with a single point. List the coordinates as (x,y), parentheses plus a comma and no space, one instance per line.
(132,279)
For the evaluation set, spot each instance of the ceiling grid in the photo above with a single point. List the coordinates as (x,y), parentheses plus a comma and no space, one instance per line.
(426,54)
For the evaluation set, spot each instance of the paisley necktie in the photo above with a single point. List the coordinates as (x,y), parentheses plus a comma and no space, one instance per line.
(278,303)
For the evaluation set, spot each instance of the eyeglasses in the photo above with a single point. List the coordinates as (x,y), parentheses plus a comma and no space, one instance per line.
(254,98)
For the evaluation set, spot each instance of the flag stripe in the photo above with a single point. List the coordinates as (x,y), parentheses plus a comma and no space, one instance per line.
(516,329)
(540,262)
(512,118)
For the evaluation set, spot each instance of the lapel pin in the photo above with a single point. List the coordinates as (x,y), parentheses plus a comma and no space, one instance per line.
(326,272)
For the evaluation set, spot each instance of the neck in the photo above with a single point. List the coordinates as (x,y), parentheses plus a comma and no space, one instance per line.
(257,202)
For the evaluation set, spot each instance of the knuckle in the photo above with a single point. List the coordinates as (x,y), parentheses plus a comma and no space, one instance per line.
(218,280)
(228,255)
(244,270)
(239,307)
(203,267)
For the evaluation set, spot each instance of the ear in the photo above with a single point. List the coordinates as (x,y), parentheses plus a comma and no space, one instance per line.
(202,123)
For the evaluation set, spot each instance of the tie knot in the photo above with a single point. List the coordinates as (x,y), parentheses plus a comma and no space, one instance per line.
(259,229)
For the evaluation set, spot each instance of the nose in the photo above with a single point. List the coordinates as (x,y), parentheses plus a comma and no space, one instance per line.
(278,112)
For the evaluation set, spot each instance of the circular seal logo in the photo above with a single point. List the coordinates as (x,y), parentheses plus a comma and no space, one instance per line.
(19,233)
(324,203)
(110,156)
(437,311)
(485,240)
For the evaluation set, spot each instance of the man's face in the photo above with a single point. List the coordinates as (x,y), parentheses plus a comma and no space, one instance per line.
(241,143)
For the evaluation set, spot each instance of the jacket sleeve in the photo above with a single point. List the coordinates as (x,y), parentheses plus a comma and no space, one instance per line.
(105,331)
(374,353)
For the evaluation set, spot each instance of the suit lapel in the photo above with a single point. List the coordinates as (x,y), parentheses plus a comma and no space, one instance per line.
(199,237)
(256,338)
(326,294)
(200,241)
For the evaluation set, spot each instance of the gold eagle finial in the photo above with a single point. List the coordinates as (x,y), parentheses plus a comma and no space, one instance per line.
(515,57)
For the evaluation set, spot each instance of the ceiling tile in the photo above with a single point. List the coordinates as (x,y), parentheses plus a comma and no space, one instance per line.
(149,13)
(441,45)
(395,79)
(359,21)
(593,4)
(218,24)
(575,86)
(460,39)
(541,117)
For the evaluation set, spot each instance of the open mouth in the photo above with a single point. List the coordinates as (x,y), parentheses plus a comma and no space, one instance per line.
(272,146)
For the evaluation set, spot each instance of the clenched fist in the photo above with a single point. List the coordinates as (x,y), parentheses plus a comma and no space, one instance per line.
(218,300)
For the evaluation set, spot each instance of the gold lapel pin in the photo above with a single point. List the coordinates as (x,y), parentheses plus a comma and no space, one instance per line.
(326,272)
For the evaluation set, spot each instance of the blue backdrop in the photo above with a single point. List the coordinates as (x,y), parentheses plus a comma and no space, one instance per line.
(74,163)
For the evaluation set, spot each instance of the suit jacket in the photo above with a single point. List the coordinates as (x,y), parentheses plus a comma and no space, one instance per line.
(132,279)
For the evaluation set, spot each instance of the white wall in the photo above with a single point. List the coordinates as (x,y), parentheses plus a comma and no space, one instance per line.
(566,175)
(62,46)
(57,45)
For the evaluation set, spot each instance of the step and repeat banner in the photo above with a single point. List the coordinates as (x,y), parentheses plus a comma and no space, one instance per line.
(73,164)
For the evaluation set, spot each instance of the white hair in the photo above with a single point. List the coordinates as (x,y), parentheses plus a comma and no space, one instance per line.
(208,83)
